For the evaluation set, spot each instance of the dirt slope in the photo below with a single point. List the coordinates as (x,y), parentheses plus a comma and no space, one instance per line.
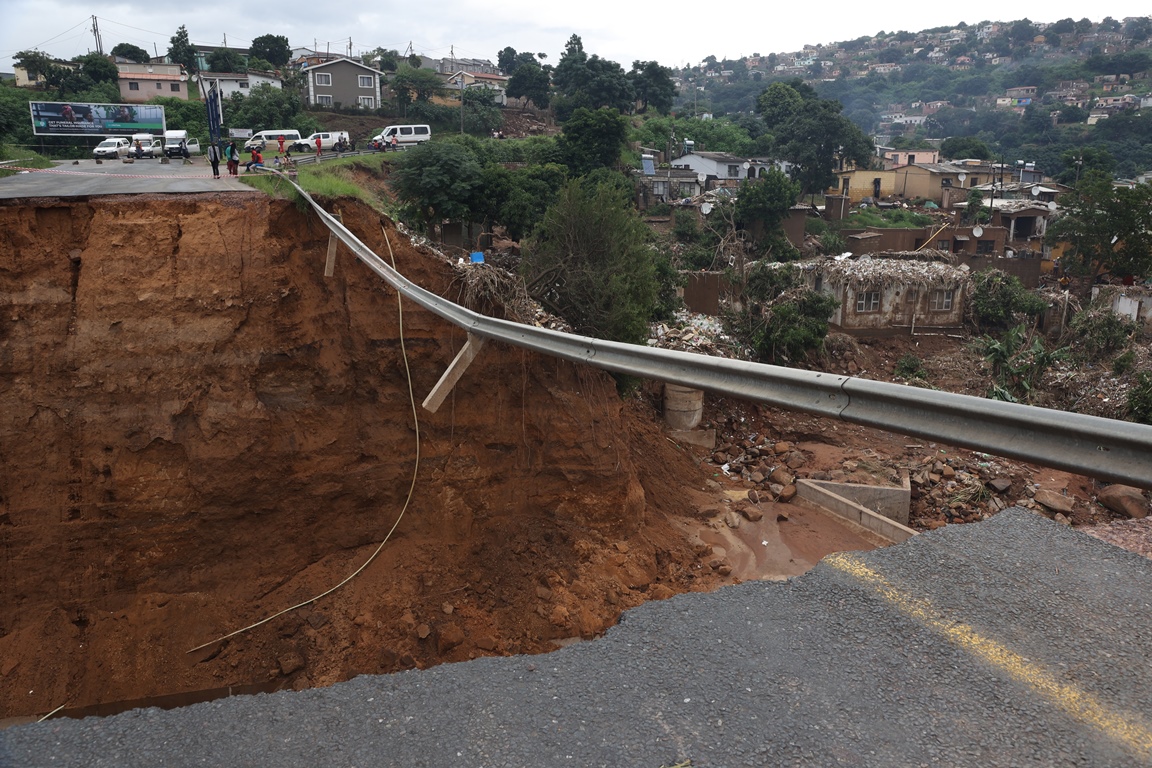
(198,429)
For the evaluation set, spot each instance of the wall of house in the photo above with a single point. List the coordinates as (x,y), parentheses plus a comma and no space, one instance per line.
(149,89)
(860,184)
(1132,302)
(1028,271)
(903,309)
(345,89)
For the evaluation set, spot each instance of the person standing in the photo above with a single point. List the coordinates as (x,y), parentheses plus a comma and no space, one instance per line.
(319,146)
(395,144)
(281,142)
(233,154)
(214,159)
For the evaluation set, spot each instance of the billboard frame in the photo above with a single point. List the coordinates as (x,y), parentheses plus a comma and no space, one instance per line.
(102,118)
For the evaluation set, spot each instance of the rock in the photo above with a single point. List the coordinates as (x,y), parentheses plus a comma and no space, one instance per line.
(754,496)
(999,484)
(947,472)
(752,514)
(1124,499)
(719,458)
(715,563)
(756,477)
(838,476)
(1056,502)
(850,466)
(317,620)
(450,636)
(775,488)
(290,662)
(544,593)
(486,643)
(712,485)
(821,475)
(731,519)
(781,448)
(724,570)
(1061,519)
(447,608)
(796,460)
(780,476)
(622,547)
(660,592)
(781,517)
(423,631)
(788,493)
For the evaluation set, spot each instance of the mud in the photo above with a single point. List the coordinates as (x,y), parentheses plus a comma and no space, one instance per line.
(198,430)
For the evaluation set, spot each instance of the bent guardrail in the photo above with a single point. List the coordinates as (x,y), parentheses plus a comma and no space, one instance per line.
(1110,450)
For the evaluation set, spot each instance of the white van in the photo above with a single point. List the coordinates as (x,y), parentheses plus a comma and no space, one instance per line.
(178,144)
(112,147)
(406,135)
(262,139)
(145,145)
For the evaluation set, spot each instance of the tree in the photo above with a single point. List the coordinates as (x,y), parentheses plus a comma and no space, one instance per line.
(437,181)
(589,81)
(36,63)
(506,60)
(267,106)
(411,85)
(181,50)
(764,202)
(532,83)
(98,67)
(964,147)
(780,101)
(590,263)
(132,52)
(225,60)
(259,65)
(1108,229)
(272,48)
(593,139)
(810,133)
(653,85)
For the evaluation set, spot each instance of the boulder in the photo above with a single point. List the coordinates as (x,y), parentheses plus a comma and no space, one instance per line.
(999,484)
(1057,502)
(751,514)
(1124,499)
(788,493)
(780,476)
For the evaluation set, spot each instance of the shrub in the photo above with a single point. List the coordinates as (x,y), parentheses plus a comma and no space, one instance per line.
(1097,332)
(911,367)
(685,228)
(998,298)
(1123,362)
(1140,399)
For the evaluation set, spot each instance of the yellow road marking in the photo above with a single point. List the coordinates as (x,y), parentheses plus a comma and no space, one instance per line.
(1124,727)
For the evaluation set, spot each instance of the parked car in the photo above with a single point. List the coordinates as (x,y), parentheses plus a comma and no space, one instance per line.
(406,136)
(328,141)
(262,139)
(112,147)
(177,144)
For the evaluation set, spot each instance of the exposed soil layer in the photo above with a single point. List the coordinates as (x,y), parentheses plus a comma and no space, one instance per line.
(198,429)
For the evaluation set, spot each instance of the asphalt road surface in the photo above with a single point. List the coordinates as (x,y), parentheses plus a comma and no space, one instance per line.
(115,177)
(1015,642)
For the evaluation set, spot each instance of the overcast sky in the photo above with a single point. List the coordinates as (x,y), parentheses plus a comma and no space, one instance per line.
(623,32)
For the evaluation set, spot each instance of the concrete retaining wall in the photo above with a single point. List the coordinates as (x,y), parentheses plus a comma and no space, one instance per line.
(841,499)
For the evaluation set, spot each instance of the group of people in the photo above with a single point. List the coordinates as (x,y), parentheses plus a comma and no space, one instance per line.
(384,145)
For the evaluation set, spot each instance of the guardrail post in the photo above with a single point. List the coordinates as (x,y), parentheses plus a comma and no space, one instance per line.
(330,264)
(452,375)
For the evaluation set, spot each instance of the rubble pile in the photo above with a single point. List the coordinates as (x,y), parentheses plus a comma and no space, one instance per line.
(694,332)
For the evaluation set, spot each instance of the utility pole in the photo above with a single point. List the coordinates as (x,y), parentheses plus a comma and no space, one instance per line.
(460,74)
(96,34)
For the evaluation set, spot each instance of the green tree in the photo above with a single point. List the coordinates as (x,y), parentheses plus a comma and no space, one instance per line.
(1108,228)
(437,181)
(763,203)
(267,107)
(812,138)
(589,81)
(225,60)
(271,48)
(132,53)
(98,67)
(259,65)
(964,147)
(589,262)
(778,103)
(506,60)
(653,86)
(999,299)
(181,50)
(411,85)
(530,82)
(593,139)
(36,63)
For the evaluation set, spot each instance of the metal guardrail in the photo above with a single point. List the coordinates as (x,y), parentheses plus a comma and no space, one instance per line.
(1110,450)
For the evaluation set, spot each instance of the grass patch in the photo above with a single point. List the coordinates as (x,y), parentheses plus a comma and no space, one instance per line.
(27,158)
(329,179)
(893,218)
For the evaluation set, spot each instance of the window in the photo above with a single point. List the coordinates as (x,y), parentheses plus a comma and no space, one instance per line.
(659,188)
(243,83)
(941,300)
(911,159)
(175,87)
(323,78)
(366,81)
(133,86)
(420,130)
(367,102)
(944,245)
(324,101)
(733,171)
(159,86)
(405,130)
(868,301)
(985,246)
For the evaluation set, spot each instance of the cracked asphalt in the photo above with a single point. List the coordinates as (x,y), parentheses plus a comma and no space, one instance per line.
(1013,642)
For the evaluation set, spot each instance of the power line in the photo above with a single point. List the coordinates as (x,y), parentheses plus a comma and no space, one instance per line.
(55,36)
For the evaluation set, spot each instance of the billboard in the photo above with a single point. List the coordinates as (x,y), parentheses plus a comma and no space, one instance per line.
(70,118)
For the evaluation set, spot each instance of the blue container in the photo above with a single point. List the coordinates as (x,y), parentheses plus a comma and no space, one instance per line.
(478,257)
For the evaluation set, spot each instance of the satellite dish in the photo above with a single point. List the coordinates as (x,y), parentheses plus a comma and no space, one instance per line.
(701,177)
(706,208)
(961,176)
(747,165)
(977,231)
(1035,191)
(1052,205)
